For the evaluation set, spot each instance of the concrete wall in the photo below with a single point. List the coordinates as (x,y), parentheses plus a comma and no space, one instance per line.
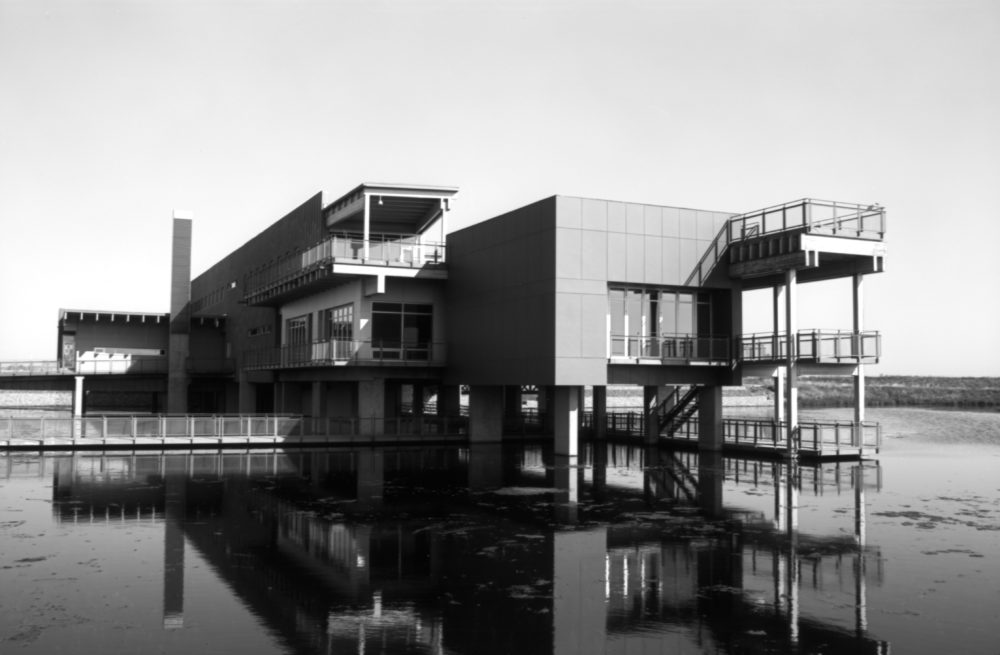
(107,333)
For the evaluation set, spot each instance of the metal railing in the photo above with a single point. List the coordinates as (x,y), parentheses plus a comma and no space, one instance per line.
(672,348)
(333,352)
(760,434)
(819,345)
(42,367)
(401,250)
(818,216)
(165,430)
(116,364)
(147,426)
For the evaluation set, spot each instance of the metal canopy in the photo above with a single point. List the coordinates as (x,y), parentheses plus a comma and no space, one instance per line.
(406,209)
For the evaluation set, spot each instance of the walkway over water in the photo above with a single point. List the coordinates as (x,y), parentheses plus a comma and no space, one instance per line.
(817,439)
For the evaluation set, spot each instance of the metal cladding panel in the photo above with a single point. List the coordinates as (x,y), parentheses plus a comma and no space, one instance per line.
(220,289)
(501,298)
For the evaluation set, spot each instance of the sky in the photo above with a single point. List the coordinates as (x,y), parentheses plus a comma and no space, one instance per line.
(115,113)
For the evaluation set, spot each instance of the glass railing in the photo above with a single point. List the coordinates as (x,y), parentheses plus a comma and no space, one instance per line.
(671,348)
(398,250)
(819,345)
(334,352)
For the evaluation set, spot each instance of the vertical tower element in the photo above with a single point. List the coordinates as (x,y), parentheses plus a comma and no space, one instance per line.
(180,314)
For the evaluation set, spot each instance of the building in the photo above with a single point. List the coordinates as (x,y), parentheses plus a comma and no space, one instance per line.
(367,307)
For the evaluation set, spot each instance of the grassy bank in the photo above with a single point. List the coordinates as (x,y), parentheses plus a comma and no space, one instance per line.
(896,391)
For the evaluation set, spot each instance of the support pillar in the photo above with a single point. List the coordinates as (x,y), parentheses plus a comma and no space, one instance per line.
(371,478)
(565,413)
(779,395)
(710,418)
(77,396)
(317,400)
(711,475)
(859,373)
(246,397)
(599,401)
(512,401)
(651,424)
(485,413)
(791,375)
(449,402)
(371,407)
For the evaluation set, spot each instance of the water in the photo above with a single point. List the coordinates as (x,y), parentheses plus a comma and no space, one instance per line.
(490,550)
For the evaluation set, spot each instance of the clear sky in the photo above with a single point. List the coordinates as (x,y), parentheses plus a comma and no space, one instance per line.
(114,113)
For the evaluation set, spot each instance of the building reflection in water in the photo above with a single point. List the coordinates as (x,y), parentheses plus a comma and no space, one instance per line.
(488,549)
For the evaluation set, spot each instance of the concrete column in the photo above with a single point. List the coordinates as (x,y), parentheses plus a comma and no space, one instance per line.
(512,401)
(859,374)
(246,397)
(180,315)
(175,484)
(371,478)
(449,401)
(566,479)
(791,375)
(579,583)
(371,407)
(711,474)
(367,227)
(650,401)
(565,415)
(600,412)
(418,399)
(485,465)
(710,418)
(779,395)
(77,396)
(317,400)
(485,413)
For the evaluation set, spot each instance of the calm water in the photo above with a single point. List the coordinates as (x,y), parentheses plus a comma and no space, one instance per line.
(490,550)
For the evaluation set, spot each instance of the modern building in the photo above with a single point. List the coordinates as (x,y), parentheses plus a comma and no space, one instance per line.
(366,308)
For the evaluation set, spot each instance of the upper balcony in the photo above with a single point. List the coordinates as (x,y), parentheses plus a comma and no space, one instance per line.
(347,352)
(670,349)
(374,231)
(824,237)
(344,255)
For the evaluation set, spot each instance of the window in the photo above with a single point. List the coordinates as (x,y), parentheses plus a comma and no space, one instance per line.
(338,322)
(297,330)
(401,330)
(337,325)
(659,323)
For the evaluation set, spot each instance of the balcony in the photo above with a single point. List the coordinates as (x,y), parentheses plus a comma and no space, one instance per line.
(674,349)
(404,255)
(817,346)
(775,232)
(346,352)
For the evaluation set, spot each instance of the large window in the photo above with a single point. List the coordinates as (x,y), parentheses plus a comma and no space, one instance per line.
(338,323)
(401,330)
(337,326)
(660,323)
(297,330)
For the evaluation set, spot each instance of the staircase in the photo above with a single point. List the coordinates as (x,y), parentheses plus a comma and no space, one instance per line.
(683,408)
